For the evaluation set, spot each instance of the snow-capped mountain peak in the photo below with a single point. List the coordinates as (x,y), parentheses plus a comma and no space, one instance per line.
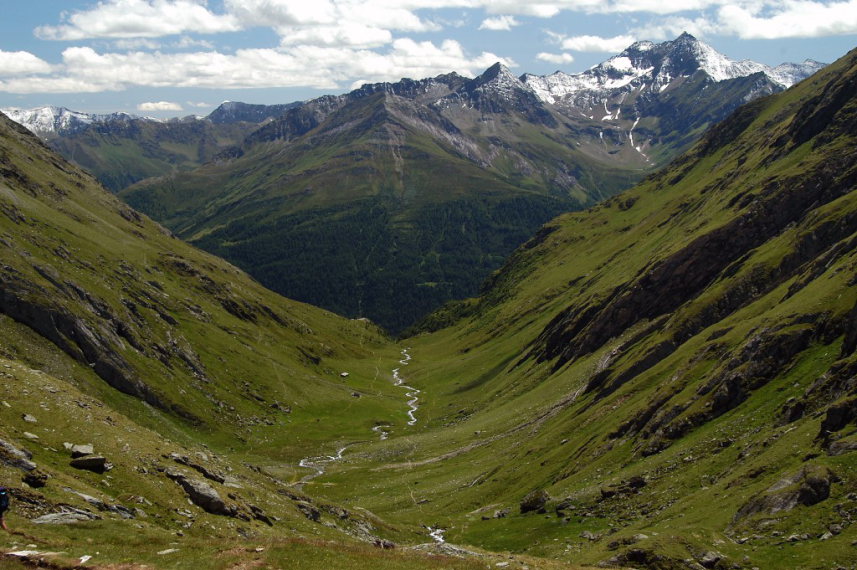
(50,121)
(655,66)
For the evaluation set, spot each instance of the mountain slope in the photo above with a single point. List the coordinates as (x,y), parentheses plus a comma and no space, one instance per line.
(373,211)
(120,149)
(669,377)
(198,390)
(389,200)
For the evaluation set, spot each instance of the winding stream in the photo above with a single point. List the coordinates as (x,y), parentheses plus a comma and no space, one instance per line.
(319,463)
(412,393)
(382,431)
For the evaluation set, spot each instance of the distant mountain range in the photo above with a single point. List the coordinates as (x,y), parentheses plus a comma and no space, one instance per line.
(389,200)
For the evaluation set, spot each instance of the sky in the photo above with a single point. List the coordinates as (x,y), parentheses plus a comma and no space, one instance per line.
(172,58)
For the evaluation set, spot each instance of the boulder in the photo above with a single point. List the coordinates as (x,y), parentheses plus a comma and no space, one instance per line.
(94,463)
(120,510)
(589,535)
(260,515)
(35,478)
(566,504)
(201,494)
(535,501)
(309,511)
(842,447)
(82,450)
(207,473)
(710,559)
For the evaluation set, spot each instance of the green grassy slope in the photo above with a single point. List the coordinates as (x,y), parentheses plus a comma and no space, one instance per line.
(674,368)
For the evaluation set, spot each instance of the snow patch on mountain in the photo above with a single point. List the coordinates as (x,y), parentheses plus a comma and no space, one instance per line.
(787,74)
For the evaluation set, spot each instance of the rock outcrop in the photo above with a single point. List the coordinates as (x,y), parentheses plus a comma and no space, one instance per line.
(808,486)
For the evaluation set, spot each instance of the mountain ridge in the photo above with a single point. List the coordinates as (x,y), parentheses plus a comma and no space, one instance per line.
(450,153)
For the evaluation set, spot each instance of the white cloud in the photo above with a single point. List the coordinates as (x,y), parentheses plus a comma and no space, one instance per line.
(416,60)
(159,106)
(557,58)
(762,19)
(139,19)
(348,34)
(21,63)
(500,23)
(523,8)
(136,44)
(790,19)
(188,42)
(597,43)
(314,66)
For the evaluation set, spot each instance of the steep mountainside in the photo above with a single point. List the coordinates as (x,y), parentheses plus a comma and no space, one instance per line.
(389,200)
(666,380)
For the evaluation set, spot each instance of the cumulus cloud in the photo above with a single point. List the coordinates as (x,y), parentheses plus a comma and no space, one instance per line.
(315,66)
(139,19)
(349,34)
(21,63)
(792,19)
(159,106)
(136,44)
(597,43)
(500,23)
(557,58)
(762,19)
(409,58)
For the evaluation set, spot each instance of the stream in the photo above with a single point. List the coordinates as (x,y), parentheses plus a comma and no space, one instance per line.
(412,393)
(437,534)
(320,463)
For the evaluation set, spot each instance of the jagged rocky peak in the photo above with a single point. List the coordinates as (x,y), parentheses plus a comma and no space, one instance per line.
(430,88)
(498,75)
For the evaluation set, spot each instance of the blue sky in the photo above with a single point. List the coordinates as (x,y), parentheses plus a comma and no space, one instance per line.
(179,57)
